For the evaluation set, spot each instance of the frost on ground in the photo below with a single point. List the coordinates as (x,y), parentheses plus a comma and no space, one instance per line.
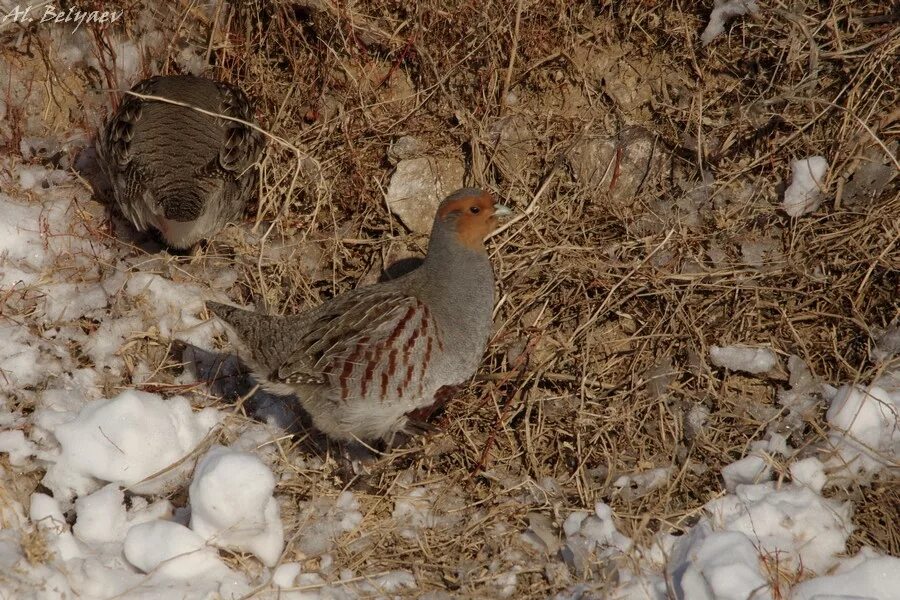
(724,11)
(126,472)
(760,524)
(742,358)
(804,194)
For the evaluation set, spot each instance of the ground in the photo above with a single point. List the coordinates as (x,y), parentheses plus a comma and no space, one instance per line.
(597,452)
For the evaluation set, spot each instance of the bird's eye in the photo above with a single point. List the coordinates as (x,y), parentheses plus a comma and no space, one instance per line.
(474,210)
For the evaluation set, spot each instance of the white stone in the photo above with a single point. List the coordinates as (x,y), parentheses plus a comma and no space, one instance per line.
(417,187)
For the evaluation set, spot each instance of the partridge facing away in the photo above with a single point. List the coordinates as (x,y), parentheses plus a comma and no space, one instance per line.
(176,169)
(360,363)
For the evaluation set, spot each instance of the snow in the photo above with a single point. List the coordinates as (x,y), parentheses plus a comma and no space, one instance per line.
(71,406)
(864,431)
(68,301)
(128,439)
(171,550)
(101,516)
(724,554)
(792,521)
(232,504)
(47,515)
(866,576)
(17,446)
(175,307)
(103,554)
(722,565)
(20,240)
(758,522)
(724,11)
(75,300)
(110,458)
(750,469)
(803,195)
(108,338)
(285,574)
(743,358)
(587,534)
(810,473)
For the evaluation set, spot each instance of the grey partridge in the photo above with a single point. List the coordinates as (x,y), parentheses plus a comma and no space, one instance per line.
(362,362)
(176,169)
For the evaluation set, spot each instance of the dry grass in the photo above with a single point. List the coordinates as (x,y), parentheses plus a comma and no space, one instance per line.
(609,297)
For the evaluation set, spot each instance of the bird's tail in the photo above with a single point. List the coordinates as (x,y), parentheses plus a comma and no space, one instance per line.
(262,336)
(227,313)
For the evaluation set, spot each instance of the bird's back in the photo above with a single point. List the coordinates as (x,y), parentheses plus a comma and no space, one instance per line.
(176,142)
(179,169)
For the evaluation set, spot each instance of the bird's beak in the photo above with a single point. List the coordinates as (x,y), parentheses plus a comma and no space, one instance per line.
(501,211)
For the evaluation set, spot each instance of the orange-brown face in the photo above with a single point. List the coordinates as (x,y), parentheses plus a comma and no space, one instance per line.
(475,215)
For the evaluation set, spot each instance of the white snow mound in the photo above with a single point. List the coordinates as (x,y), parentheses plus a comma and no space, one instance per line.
(232,504)
(743,358)
(724,12)
(172,550)
(865,432)
(125,440)
(804,194)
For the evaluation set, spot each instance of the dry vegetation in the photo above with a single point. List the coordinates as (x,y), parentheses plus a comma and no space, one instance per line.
(648,170)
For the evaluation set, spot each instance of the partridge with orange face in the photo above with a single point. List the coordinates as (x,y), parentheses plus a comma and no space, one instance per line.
(361,362)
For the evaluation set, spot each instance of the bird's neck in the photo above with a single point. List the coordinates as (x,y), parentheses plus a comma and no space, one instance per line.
(448,258)
(460,283)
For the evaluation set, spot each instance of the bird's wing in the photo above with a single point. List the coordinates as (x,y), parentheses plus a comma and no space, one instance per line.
(365,345)
(119,131)
(243,143)
(116,153)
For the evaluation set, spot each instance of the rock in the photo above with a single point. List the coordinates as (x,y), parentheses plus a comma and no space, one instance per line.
(405,147)
(760,252)
(621,72)
(659,377)
(515,145)
(594,163)
(417,187)
(871,178)
(627,83)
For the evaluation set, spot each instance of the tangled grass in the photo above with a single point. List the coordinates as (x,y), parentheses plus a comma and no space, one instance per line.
(618,276)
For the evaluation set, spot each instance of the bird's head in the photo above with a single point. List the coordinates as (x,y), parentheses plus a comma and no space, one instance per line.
(471,214)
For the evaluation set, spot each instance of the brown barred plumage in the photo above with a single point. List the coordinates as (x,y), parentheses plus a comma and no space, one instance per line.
(176,169)
(363,361)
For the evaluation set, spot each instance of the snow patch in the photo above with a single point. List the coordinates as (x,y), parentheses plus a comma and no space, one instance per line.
(803,195)
(865,433)
(232,504)
(724,11)
(172,550)
(865,576)
(743,358)
(126,440)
